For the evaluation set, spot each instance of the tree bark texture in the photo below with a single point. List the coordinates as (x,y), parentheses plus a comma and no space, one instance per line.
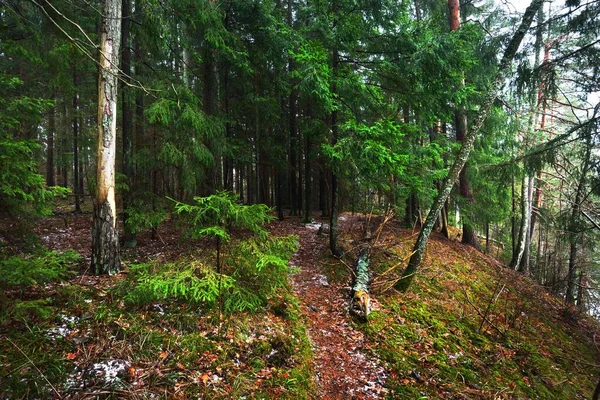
(105,242)
(467,146)
(454,15)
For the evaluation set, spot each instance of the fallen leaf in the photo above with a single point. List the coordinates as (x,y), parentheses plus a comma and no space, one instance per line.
(204,378)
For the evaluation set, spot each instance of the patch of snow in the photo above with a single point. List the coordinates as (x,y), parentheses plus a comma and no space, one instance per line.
(109,370)
(159,308)
(64,329)
(321,280)
(105,373)
(316,225)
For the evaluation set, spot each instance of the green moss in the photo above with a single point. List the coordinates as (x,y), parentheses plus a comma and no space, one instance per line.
(522,349)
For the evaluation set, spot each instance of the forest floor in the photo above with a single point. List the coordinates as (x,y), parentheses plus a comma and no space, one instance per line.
(468,328)
(346,367)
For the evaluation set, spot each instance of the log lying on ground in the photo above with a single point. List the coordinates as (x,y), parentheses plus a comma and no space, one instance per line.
(360,306)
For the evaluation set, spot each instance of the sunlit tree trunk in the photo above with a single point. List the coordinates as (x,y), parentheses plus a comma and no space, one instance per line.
(467,146)
(105,241)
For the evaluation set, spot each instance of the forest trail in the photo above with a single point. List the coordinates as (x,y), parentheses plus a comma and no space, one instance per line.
(344,364)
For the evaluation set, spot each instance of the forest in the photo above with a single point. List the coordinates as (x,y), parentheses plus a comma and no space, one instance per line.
(299,199)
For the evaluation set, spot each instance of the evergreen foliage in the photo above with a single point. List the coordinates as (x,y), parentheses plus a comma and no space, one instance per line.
(20,272)
(142,215)
(247,274)
(24,274)
(22,190)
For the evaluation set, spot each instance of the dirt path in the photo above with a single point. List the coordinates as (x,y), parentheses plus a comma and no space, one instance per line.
(344,367)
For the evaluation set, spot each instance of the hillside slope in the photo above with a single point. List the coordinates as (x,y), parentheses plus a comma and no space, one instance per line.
(469,328)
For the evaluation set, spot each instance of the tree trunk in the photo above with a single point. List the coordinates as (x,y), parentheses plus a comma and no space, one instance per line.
(469,235)
(596,394)
(279,177)
(520,257)
(467,145)
(360,305)
(444,215)
(323,195)
(333,215)
(76,178)
(105,241)
(581,291)
(292,127)
(574,229)
(50,152)
(307,182)
(127,124)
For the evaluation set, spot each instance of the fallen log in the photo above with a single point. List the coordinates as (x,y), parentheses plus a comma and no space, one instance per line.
(360,305)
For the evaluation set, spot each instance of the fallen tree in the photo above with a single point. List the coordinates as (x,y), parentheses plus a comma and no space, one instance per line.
(360,305)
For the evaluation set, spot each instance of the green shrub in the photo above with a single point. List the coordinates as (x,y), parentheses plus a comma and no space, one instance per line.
(142,215)
(246,273)
(22,272)
(191,281)
(252,273)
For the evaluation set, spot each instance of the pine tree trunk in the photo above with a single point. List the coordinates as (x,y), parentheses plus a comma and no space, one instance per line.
(469,237)
(444,215)
(76,178)
(141,181)
(581,291)
(292,125)
(280,176)
(323,195)
(333,216)
(467,146)
(129,238)
(50,152)
(105,241)
(307,182)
